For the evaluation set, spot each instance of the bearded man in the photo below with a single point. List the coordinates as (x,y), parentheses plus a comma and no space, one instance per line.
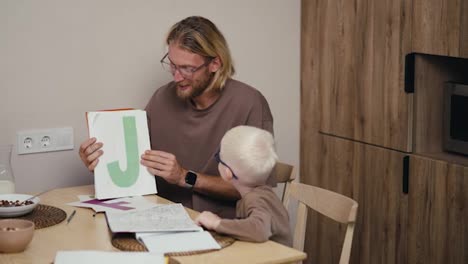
(188,117)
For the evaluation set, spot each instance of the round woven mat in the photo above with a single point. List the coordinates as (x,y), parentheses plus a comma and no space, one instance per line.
(127,242)
(45,216)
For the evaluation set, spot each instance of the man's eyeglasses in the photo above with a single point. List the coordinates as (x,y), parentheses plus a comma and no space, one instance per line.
(185,71)
(218,159)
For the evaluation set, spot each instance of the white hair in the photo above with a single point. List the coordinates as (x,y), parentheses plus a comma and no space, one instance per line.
(250,153)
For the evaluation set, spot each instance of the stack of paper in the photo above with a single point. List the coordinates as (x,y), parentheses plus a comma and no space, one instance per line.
(163,243)
(163,229)
(160,218)
(126,204)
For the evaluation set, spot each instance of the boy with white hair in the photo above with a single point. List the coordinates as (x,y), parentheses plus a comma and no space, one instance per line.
(245,159)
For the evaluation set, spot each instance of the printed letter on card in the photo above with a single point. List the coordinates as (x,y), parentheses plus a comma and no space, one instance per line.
(125,137)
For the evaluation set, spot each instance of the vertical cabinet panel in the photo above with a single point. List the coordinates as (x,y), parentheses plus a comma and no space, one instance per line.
(464,30)
(438,27)
(360,62)
(438,212)
(373,177)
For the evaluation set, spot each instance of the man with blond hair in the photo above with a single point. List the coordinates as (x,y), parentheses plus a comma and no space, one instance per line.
(246,158)
(188,117)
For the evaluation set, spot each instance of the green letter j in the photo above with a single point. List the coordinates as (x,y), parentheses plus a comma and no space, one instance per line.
(129,177)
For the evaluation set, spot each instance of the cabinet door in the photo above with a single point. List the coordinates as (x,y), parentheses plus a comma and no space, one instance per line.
(438,212)
(439,27)
(356,56)
(373,177)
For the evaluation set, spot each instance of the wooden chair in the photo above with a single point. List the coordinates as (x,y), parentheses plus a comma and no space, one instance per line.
(284,173)
(333,205)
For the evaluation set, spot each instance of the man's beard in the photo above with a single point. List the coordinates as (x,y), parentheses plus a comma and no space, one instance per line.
(197,87)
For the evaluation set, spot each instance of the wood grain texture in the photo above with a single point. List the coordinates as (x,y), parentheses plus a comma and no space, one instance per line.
(309,136)
(464,30)
(438,212)
(331,97)
(436,26)
(361,46)
(352,87)
(371,176)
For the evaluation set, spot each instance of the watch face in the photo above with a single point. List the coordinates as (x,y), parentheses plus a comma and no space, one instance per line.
(191,178)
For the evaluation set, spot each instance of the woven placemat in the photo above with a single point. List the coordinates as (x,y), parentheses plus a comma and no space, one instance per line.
(45,216)
(127,242)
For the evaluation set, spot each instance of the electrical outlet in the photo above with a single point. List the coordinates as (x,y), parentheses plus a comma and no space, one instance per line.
(28,143)
(44,140)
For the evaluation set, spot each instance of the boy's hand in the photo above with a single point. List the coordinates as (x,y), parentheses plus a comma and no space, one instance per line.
(208,220)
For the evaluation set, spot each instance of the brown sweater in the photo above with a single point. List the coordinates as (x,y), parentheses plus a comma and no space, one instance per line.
(260,216)
(193,136)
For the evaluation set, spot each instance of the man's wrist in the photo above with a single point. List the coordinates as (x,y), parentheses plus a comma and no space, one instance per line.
(182,174)
(217,222)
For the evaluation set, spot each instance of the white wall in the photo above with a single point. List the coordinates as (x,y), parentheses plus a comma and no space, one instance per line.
(61,58)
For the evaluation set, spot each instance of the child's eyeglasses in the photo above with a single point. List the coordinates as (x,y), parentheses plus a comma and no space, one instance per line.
(218,159)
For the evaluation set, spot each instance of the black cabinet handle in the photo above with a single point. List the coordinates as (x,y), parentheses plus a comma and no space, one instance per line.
(406,164)
(409,73)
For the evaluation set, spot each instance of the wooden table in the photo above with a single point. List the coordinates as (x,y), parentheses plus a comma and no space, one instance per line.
(86,232)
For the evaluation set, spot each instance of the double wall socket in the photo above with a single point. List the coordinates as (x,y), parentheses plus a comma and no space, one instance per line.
(44,140)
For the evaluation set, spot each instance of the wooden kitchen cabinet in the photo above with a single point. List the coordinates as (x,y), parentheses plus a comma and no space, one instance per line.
(373,177)
(359,127)
(440,27)
(420,217)
(358,60)
(437,212)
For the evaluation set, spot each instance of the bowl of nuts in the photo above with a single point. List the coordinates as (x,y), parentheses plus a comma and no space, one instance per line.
(15,235)
(12,205)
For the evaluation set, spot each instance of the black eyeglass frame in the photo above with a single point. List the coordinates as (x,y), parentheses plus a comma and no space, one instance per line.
(172,68)
(218,159)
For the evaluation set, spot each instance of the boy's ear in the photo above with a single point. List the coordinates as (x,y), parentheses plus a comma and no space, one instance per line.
(227,173)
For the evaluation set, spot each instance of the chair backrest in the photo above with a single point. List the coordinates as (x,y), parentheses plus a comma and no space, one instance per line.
(331,204)
(284,173)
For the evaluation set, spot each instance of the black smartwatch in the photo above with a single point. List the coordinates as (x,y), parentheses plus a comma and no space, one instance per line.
(190,179)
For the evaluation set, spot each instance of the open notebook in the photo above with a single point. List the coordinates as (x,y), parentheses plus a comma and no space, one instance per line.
(163,229)
(160,218)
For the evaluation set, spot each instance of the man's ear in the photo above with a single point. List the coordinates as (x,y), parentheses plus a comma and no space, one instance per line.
(215,65)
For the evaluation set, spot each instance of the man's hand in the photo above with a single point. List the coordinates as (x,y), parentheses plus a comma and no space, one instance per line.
(90,151)
(208,220)
(165,165)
